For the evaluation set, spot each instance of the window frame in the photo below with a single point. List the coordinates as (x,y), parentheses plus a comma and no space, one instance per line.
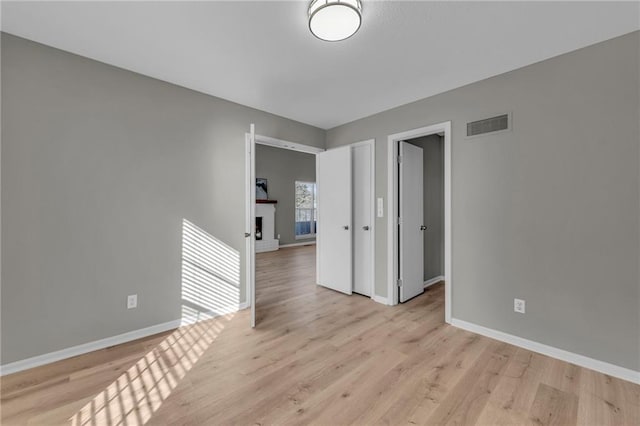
(314,215)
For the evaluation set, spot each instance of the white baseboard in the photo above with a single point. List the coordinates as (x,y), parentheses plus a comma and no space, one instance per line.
(573,358)
(380,299)
(433,281)
(298,244)
(37,361)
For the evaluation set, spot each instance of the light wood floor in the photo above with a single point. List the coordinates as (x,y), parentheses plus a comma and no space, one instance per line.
(318,357)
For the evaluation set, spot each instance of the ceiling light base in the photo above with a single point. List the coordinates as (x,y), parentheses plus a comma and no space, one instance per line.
(335,20)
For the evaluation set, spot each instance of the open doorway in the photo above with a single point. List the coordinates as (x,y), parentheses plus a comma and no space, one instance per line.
(342,223)
(284,222)
(419,226)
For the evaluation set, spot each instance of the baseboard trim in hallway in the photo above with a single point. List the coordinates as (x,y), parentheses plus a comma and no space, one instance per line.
(573,358)
(432,281)
(380,299)
(304,243)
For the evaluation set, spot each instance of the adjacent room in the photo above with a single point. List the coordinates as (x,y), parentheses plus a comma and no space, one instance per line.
(286,222)
(323,212)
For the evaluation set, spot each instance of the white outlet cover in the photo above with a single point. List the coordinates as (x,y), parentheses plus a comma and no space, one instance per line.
(132,301)
(519,305)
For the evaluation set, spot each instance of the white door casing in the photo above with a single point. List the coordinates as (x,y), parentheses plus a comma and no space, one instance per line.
(443,128)
(411,217)
(334,242)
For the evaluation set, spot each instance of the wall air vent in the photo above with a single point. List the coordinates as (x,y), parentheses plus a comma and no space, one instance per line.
(495,124)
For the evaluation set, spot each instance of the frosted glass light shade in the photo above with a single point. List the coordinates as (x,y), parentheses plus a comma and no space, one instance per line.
(334,20)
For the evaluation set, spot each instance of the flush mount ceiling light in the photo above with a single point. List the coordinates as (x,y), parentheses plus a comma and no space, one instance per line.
(334,20)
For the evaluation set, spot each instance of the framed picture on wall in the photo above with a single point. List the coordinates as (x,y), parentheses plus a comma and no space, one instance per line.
(261,189)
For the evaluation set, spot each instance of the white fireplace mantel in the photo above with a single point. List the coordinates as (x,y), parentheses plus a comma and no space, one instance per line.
(267,211)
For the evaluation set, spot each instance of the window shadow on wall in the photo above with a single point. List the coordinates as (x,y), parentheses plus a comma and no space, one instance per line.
(210,291)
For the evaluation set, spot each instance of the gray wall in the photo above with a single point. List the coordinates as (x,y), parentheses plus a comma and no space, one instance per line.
(433,198)
(282,168)
(548,212)
(101,165)
(99,168)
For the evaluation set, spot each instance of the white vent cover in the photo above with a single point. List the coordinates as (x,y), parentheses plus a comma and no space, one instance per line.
(498,123)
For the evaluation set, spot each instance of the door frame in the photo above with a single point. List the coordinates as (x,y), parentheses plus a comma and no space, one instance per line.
(392,210)
(250,203)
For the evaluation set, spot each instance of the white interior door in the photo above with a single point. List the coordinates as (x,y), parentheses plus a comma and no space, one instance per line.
(250,221)
(362,219)
(333,176)
(411,215)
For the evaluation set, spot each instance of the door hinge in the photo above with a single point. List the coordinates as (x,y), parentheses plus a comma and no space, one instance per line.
(399,282)
(398,221)
(399,159)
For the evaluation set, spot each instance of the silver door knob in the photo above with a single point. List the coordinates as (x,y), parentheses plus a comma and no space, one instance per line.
(366,227)
(423,228)
(346,227)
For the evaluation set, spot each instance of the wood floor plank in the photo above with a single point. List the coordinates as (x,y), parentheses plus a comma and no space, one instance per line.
(404,391)
(317,357)
(552,406)
(511,400)
(606,400)
(468,398)
(330,405)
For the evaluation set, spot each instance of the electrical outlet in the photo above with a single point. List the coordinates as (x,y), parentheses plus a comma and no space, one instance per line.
(518,305)
(132,301)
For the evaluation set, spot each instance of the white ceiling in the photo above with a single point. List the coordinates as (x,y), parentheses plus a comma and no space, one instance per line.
(261,54)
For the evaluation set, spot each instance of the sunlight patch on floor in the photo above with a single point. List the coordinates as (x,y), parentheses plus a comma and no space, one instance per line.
(210,285)
(140,391)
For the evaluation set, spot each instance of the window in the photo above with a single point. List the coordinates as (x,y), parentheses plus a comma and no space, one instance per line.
(306,214)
